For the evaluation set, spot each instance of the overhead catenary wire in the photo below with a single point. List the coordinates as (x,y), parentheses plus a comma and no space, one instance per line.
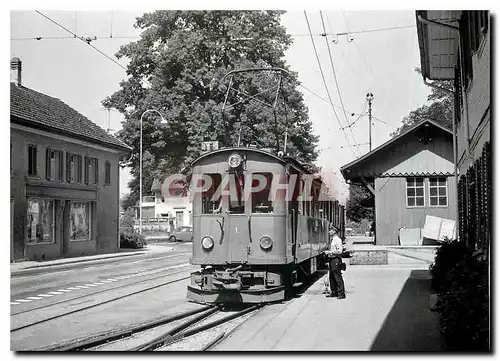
(88,43)
(73,37)
(363,112)
(335,77)
(326,86)
(359,31)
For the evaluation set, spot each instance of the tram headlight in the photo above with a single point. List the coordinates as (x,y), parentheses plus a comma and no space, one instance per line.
(266,243)
(234,160)
(207,243)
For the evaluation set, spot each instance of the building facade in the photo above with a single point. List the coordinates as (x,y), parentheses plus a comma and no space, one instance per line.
(410,177)
(455,46)
(64,179)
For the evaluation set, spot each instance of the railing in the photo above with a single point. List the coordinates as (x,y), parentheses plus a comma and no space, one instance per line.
(474,202)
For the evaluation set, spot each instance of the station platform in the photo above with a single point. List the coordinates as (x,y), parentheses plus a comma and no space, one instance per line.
(386,309)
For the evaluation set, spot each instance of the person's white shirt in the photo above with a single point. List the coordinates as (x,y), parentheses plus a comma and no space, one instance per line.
(335,245)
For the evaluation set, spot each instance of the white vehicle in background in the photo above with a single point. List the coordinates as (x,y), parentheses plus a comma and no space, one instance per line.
(184,233)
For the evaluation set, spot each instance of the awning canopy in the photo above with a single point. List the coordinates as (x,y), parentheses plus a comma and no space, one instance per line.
(438,44)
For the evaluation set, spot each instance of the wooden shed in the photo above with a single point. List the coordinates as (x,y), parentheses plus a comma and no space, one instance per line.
(410,177)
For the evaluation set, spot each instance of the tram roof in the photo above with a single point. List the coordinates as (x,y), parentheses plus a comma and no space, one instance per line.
(283,160)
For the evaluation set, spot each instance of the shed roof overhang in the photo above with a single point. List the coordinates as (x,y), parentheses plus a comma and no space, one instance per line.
(438,44)
(358,173)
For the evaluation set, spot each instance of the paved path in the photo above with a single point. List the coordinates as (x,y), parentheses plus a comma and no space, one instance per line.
(387,309)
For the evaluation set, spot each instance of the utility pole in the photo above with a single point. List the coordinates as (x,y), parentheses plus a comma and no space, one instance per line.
(369,97)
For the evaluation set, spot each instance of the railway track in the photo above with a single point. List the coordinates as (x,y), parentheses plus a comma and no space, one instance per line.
(195,323)
(97,304)
(118,286)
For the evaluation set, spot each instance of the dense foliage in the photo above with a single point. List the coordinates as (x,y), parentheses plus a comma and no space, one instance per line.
(356,210)
(129,237)
(441,109)
(461,279)
(184,56)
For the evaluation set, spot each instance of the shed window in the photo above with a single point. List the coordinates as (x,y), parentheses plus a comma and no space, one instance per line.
(415,192)
(438,191)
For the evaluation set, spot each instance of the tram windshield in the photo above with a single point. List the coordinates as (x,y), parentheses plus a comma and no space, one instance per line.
(211,199)
(261,188)
(236,199)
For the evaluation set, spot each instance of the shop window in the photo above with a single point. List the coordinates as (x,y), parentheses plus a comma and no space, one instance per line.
(107,173)
(438,192)
(54,164)
(32,160)
(41,220)
(415,192)
(80,221)
(91,170)
(211,198)
(260,200)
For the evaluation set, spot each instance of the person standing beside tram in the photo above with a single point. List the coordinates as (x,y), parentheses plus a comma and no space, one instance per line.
(334,254)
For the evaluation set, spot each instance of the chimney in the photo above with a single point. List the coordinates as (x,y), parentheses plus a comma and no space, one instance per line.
(15,71)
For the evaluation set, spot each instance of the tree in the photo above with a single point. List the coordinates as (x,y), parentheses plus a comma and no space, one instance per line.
(355,210)
(128,201)
(127,220)
(441,110)
(184,56)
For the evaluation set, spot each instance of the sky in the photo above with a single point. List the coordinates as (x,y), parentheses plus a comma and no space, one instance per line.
(380,62)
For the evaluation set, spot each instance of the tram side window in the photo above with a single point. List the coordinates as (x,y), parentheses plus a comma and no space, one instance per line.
(260,200)
(209,203)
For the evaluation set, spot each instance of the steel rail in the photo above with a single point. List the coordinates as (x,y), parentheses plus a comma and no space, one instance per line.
(223,335)
(98,304)
(160,340)
(172,338)
(95,293)
(114,336)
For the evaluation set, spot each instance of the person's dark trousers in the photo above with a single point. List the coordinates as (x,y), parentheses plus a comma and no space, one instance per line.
(336,280)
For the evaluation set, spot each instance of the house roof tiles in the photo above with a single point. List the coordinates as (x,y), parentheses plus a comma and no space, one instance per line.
(39,109)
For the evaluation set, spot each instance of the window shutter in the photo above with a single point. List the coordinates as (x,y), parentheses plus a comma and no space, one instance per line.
(68,167)
(80,171)
(86,170)
(96,170)
(61,165)
(47,163)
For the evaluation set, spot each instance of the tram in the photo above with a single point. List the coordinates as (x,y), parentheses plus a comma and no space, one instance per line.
(260,225)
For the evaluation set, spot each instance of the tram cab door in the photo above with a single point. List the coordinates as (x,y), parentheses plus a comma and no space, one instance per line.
(236,220)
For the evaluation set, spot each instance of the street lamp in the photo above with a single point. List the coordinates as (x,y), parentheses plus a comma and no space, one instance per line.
(163,121)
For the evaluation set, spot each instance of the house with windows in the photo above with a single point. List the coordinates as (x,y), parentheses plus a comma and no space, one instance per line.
(176,205)
(455,46)
(64,178)
(410,177)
